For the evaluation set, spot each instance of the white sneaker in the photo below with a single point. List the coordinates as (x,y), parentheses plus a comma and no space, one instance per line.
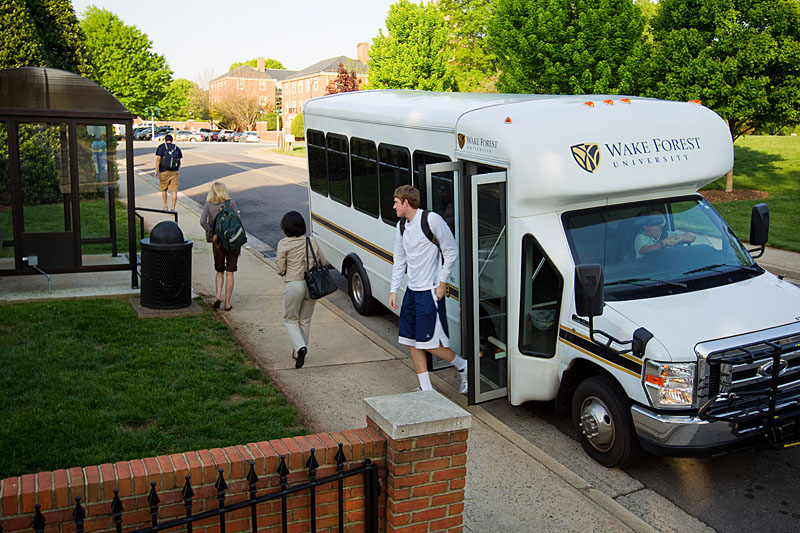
(463,387)
(418,389)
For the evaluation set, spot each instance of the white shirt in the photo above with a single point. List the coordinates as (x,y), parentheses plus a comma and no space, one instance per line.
(420,257)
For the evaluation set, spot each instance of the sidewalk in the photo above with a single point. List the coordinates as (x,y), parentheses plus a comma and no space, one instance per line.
(511,484)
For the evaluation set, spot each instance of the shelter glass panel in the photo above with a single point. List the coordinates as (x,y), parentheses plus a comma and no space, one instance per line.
(6,218)
(394,168)
(104,220)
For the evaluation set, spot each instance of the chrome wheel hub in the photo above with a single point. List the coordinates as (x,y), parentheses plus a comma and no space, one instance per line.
(596,424)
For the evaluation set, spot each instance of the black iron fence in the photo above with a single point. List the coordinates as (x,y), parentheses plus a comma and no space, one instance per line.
(371,493)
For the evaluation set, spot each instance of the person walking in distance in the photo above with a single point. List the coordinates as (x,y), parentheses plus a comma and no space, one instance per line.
(225,261)
(168,164)
(425,248)
(293,259)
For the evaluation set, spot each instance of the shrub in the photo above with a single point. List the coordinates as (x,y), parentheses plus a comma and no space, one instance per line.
(297,127)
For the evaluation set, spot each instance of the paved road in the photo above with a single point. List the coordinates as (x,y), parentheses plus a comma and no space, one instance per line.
(742,492)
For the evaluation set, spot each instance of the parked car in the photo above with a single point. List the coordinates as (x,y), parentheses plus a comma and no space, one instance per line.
(238,137)
(162,131)
(214,136)
(225,135)
(143,134)
(186,135)
(252,137)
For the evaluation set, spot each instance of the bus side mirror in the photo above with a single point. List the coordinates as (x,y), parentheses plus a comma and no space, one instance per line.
(589,298)
(759,228)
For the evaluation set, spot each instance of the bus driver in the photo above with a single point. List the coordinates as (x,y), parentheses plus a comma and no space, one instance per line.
(653,237)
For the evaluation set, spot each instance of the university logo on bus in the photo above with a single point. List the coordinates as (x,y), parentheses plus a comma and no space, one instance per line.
(461,140)
(587,155)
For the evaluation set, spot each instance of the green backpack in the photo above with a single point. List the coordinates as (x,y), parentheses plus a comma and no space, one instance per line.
(228,228)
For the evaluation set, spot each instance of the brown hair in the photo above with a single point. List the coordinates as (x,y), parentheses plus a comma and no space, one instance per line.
(408,192)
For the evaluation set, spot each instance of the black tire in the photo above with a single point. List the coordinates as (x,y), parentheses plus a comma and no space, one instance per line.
(360,292)
(600,408)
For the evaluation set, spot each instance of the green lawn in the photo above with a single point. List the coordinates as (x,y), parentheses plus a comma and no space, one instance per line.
(772,164)
(298,150)
(86,382)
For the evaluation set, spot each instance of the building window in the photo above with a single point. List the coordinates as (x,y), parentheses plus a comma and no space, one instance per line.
(394,170)
(262,100)
(308,85)
(294,87)
(240,84)
(317,166)
(316,84)
(262,85)
(364,168)
(338,168)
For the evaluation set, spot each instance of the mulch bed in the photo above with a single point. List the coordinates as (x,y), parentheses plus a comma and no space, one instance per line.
(733,196)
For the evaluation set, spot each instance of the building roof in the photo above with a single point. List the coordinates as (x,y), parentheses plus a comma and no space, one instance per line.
(53,92)
(251,73)
(331,65)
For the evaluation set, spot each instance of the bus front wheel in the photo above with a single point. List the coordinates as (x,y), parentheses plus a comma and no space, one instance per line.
(602,419)
(360,292)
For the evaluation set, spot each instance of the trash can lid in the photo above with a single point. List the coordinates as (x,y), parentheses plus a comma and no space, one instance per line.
(166,232)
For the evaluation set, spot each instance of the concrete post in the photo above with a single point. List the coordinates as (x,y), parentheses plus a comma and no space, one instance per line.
(426,457)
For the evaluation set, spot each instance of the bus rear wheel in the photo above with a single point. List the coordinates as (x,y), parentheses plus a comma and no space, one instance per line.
(602,419)
(360,292)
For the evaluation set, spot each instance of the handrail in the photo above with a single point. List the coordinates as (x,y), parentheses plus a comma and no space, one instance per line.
(149,210)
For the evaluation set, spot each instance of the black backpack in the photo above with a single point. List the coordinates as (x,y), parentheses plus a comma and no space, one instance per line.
(171,160)
(228,228)
(426,230)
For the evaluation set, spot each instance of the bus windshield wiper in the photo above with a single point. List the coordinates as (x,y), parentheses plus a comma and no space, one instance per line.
(709,267)
(637,281)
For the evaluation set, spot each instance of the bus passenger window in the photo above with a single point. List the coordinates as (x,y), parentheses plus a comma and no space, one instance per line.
(394,170)
(420,160)
(540,301)
(317,166)
(364,168)
(339,168)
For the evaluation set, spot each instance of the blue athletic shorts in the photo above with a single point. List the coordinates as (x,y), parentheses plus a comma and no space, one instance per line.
(423,320)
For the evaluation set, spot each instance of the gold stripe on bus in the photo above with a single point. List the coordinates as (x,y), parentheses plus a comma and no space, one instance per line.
(358,241)
(590,354)
(625,355)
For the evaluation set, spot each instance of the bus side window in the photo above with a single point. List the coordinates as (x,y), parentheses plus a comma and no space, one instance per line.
(540,301)
(317,165)
(339,168)
(394,170)
(364,168)
(421,159)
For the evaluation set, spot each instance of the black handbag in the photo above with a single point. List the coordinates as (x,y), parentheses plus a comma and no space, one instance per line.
(318,280)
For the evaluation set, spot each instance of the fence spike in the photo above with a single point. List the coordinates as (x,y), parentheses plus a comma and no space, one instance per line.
(283,471)
(220,484)
(252,477)
(78,513)
(153,498)
(116,504)
(187,491)
(340,457)
(38,519)
(312,463)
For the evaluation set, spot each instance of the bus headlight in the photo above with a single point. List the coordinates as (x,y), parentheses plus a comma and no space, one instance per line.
(670,385)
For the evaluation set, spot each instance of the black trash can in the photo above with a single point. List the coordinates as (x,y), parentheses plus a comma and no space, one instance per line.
(166,268)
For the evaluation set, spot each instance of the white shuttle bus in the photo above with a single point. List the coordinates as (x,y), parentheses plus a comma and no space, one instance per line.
(590,270)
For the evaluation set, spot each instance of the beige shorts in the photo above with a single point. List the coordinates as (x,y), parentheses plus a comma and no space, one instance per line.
(168,180)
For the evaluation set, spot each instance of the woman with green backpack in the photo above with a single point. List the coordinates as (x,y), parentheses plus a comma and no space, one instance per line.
(225,260)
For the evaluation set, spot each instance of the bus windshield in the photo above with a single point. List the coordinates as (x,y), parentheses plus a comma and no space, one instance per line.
(658,247)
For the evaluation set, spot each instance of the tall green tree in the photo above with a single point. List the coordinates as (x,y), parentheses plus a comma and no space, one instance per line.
(177,103)
(474,64)
(741,58)
(123,60)
(564,46)
(42,33)
(270,63)
(410,55)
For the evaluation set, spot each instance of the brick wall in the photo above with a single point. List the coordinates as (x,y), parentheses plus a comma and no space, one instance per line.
(422,481)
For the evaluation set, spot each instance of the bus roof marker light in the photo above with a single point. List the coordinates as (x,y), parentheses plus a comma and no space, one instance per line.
(508,120)
(698,102)
(609,102)
(590,104)
(625,100)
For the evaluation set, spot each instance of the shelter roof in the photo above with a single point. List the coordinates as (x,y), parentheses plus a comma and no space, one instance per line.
(53,92)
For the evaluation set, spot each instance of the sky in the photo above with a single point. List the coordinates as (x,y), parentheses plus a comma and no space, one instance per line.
(201,38)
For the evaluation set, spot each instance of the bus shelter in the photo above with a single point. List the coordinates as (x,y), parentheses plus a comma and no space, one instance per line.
(66,158)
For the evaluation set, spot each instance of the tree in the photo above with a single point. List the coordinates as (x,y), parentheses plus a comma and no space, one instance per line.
(297,127)
(269,63)
(42,33)
(344,82)
(240,112)
(410,55)
(123,61)
(177,102)
(564,46)
(741,58)
(473,63)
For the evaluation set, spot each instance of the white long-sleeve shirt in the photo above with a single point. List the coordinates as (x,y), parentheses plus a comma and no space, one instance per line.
(415,253)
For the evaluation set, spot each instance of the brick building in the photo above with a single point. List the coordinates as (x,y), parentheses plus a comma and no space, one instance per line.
(246,81)
(303,85)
